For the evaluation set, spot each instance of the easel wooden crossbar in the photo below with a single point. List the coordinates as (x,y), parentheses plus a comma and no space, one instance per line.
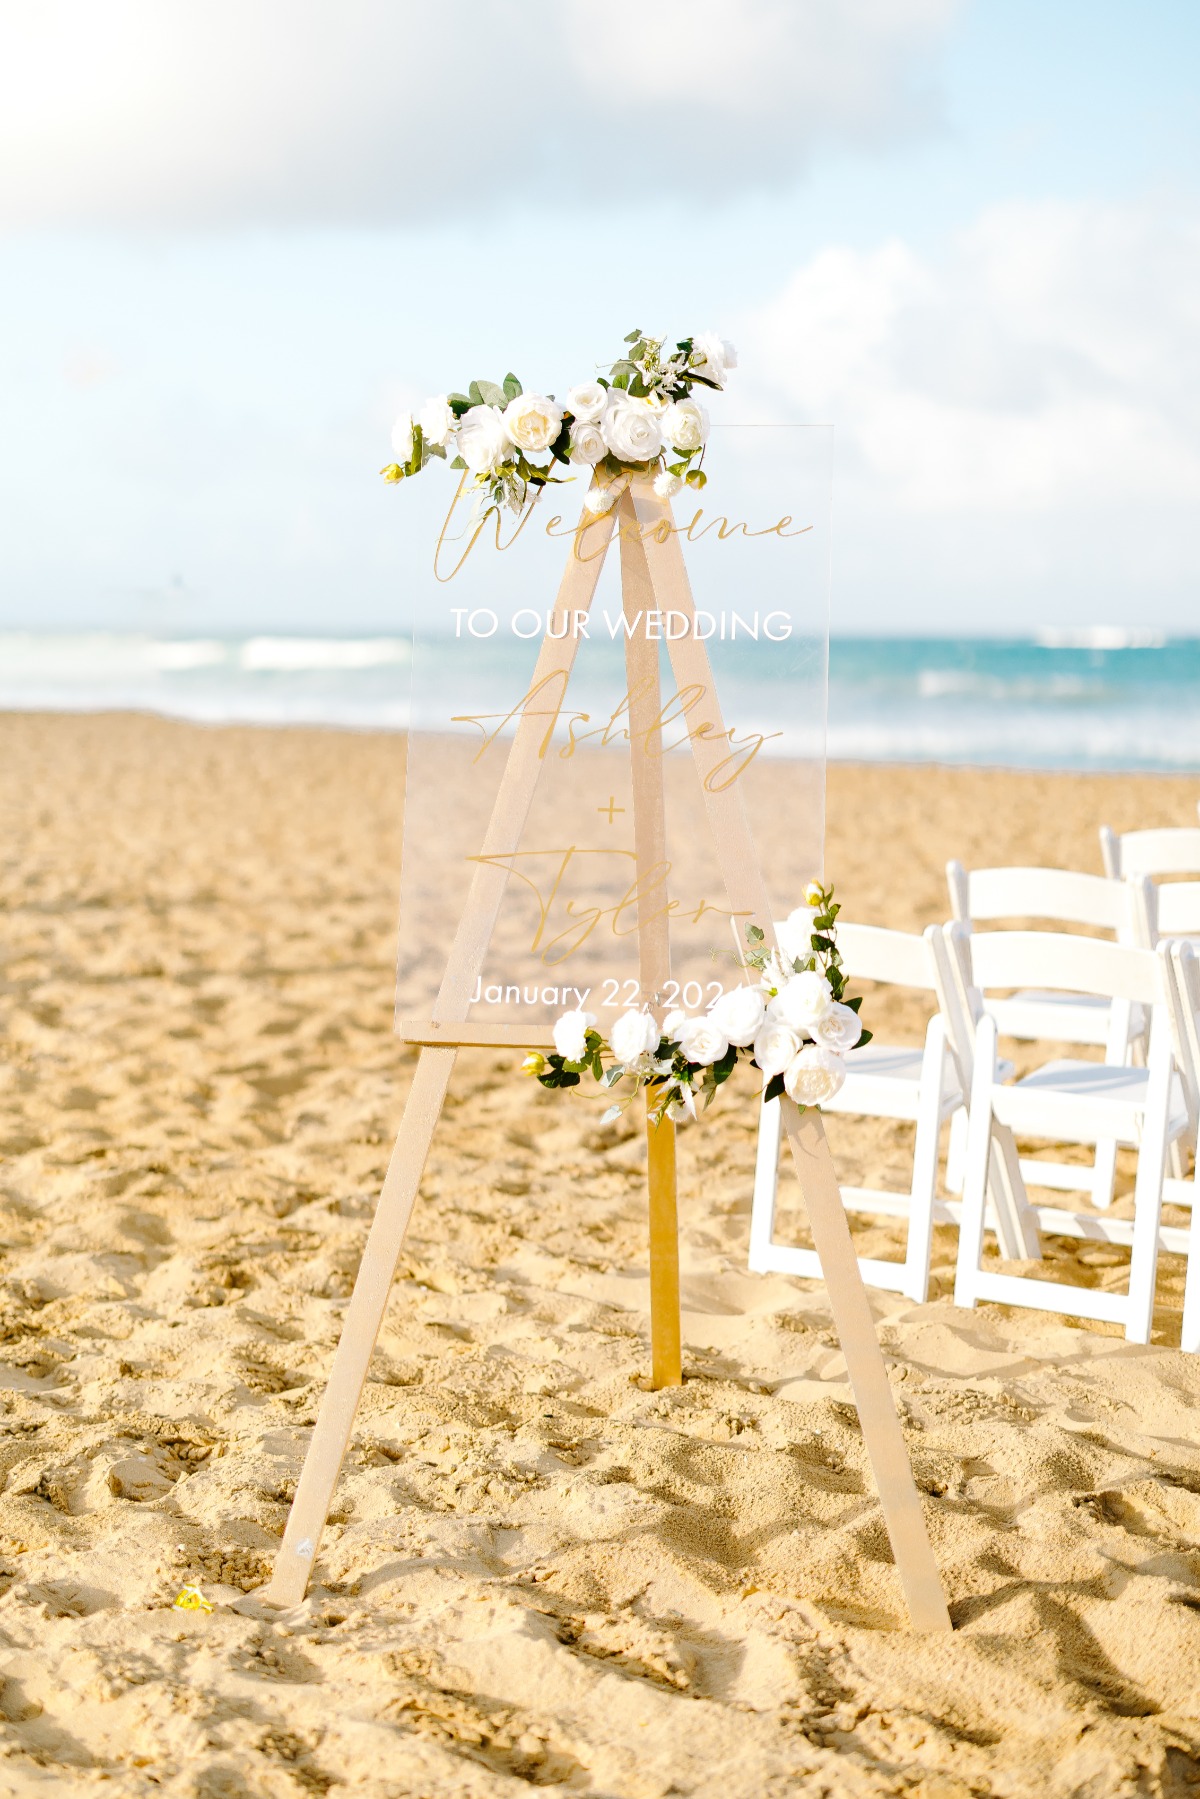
(653,578)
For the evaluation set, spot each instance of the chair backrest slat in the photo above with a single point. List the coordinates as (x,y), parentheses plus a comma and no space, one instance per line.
(1061,894)
(873,953)
(1176,909)
(1171,850)
(1182,970)
(1060,962)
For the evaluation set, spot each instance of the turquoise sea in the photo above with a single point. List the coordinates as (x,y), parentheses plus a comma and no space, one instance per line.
(1100,698)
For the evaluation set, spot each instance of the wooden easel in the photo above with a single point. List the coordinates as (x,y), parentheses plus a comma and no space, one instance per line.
(653,577)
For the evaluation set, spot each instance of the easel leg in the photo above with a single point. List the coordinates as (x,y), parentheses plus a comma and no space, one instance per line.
(855,1327)
(666,1359)
(364,1316)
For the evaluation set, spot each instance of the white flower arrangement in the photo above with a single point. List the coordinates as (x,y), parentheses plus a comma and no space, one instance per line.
(794,1024)
(640,417)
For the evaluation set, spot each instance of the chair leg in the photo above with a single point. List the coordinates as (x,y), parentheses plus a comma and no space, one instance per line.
(1104,1173)
(766,1185)
(1147,1198)
(957,1151)
(925,1163)
(1190,1335)
(975,1171)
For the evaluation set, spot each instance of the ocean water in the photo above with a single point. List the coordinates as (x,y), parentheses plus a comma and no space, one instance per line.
(1099,699)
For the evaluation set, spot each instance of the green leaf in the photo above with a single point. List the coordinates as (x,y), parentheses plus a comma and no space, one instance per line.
(493,393)
(722,1070)
(631,337)
(458,463)
(558,449)
(773,1090)
(855,1003)
(613,1112)
(475,394)
(865,1038)
(822,943)
(458,404)
(512,387)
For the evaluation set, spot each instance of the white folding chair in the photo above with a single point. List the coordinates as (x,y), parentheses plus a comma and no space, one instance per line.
(1060,896)
(1182,971)
(1172,850)
(1072,1102)
(882,1081)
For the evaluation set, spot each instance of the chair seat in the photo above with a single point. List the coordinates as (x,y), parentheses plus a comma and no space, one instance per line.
(883,1081)
(1061,1017)
(1095,1099)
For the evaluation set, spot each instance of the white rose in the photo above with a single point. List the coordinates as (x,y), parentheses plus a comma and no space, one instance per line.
(719,356)
(482,440)
(813,1076)
(631,429)
(739,1013)
(402,437)
(599,499)
(839,1030)
(775,1046)
(437,421)
(634,1035)
(685,424)
(587,443)
(683,1108)
(796,935)
(533,422)
(586,402)
(570,1034)
(667,484)
(803,1001)
(702,1041)
(672,1022)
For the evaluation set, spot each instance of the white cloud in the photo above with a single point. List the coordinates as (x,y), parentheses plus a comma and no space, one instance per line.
(175,113)
(1016,414)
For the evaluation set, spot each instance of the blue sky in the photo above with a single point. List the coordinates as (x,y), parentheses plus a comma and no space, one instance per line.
(234,240)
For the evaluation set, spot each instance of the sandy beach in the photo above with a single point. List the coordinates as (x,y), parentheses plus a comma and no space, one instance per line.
(539,1572)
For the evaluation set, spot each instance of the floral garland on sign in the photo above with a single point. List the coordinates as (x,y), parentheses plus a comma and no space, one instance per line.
(795,1025)
(638,418)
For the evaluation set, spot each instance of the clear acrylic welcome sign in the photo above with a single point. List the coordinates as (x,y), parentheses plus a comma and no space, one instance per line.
(750,589)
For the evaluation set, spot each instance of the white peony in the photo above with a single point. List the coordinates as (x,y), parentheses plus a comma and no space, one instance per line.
(587,443)
(775,1046)
(839,1030)
(719,356)
(570,1034)
(632,429)
(402,437)
(634,1035)
(702,1041)
(667,484)
(437,421)
(483,442)
(599,499)
(533,422)
(685,424)
(803,1001)
(586,402)
(813,1076)
(739,1013)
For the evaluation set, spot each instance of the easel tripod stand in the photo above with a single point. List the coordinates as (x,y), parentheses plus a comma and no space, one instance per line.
(653,577)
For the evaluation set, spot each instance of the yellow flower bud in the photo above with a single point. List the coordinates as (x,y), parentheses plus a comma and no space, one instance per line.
(534,1064)
(812,894)
(393,472)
